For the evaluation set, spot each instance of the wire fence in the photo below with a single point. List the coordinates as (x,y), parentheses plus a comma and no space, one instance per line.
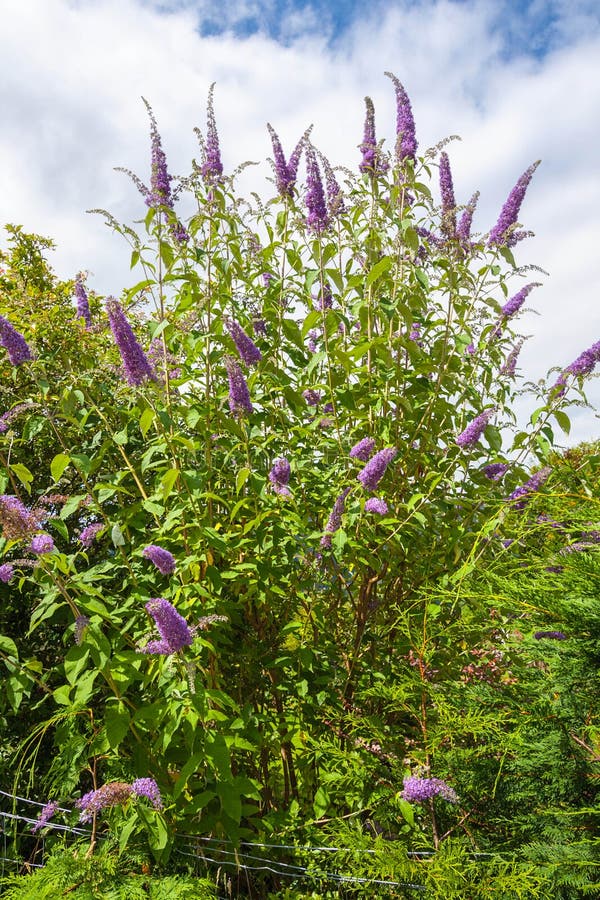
(21,850)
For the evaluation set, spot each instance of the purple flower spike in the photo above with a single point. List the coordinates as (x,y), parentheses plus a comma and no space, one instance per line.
(418,790)
(473,432)
(147,787)
(174,631)
(448,201)
(45,816)
(160,180)
(115,793)
(363,449)
(286,172)
(42,543)
(6,572)
(245,346)
(512,306)
(81,623)
(510,363)
(239,396)
(162,559)
(372,162)
(14,343)
(406,141)
(335,519)
(212,168)
(376,505)
(495,471)
(503,231)
(89,533)
(17,521)
(463,229)
(523,493)
(279,477)
(335,196)
(317,219)
(136,365)
(312,397)
(580,367)
(374,470)
(83,306)
(550,635)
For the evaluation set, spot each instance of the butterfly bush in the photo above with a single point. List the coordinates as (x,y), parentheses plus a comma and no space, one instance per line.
(341,330)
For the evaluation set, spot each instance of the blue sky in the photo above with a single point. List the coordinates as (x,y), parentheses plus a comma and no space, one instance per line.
(518,81)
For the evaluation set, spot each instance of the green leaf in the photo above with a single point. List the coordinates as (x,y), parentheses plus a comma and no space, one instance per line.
(116,536)
(241,479)
(116,719)
(384,265)
(23,474)
(422,278)
(59,464)
(168,481)
(407,811)
(145,421)
(563,420)
(7,645)
(231,800)
(321,802)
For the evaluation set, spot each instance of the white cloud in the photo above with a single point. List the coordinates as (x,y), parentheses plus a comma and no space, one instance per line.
(72,73)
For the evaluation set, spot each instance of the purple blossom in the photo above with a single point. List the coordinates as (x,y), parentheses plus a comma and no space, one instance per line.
(45,816)
(279,477)
(510,363)
(515,303)
(335,197)
(325,298)
(470,349)
(239,396)
(162,559)
(363,449)
(495,471)
(473,432)
(174,631)
(115,793)
(147,787)
(406,142)
(18,521)
(267,278)
(418,790)
(554,570)
(551,635)
(373,162)
(42,543)
(160,180)
(286,172)
(374,470)
(136,364)
(212,168)
(6,572)
(88,534)
(580,367)
(463,229)
(14,343)
(447,192)
(312,397)
(523,493)
(317,219)
(83,306)
(376,505)
(503,231)
(259,326)
(81,623)
(10,415)
(313,337)
(335,519)
(245,346)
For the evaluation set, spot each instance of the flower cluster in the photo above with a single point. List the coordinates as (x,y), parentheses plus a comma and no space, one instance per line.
(523,493)
(44,817)
(376,505)
(418,790)
(495,471)
(318,218)
(148,788)
(335,519)
(374,470)
(372,162)
(239,396)
(580,367)
(286,172)
(83,306)
(512,306)
(14,343)
(245,346)
(212,168)
(550,635)
(279,477)
(89,533)
(10,415)
(162,559)
(463,229)
(406,141)
(175,634)
(42,543)
(136,364)
(115,793)
(503,232)
(312,397)
(475,429)
(363,449)
(7,571)
(17,521)
(448,201)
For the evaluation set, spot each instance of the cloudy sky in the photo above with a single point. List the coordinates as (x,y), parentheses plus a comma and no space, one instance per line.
(518,80)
